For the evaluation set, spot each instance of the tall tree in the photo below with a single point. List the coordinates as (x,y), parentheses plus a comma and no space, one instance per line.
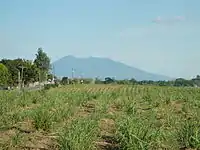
(4,74)
(42,61)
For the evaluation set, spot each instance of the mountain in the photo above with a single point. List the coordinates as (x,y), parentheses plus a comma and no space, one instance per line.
(100,67)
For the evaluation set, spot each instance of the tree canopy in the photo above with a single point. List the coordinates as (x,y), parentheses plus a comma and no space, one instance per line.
(3,74)
(26,70)
(42,61)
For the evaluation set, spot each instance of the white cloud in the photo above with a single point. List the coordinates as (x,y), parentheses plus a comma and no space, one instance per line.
(172,20)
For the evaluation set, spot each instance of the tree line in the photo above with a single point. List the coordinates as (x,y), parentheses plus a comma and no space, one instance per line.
(21,71)
(179,82)
(15,72)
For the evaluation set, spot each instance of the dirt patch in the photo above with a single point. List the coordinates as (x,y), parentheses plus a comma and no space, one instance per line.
(28,138)
(107,126)
(177,106)
(26,126)
(107,141)
(113,109)
(6,135)
(40,141)
(32,106)
(144,109)
(84,110)
(89,107)
(83,113)
(184,148)
(107,146)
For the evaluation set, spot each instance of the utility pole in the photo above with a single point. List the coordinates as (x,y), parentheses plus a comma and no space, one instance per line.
(22,80)
(19,85)
(42,74)
(53,73)
(81,77)
(73,73)
(39,76)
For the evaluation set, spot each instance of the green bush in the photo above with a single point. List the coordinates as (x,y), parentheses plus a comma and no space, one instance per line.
(49,86)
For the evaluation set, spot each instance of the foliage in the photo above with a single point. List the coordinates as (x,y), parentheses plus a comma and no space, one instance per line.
(101,117)
(87,80)
(109,80)
(4,74)
(49,86)
(50,76)
(42,61)
(42,119)
(65,81)
(134,135)
(196,80)
(12,69)
(183,82)
(98,81)
(29,72)
(180,82)
(39,70)
(74,136)
(189,134)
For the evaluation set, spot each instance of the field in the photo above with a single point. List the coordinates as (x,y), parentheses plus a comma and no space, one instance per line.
(102,117)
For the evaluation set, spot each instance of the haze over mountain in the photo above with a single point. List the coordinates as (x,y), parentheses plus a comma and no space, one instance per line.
(92,67)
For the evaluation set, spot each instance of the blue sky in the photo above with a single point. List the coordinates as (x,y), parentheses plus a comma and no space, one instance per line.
(159,36)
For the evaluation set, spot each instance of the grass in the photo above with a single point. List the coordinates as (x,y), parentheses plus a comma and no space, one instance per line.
(80,134)
(102,117)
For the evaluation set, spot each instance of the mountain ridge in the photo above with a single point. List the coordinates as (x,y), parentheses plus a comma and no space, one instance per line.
(102,67)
